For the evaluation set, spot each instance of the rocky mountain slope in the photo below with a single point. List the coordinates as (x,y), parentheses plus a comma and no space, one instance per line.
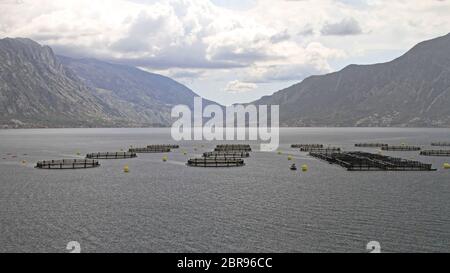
(39,89)
(413,90)
(140,95)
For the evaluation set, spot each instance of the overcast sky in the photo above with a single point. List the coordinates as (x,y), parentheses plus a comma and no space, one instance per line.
(229,50)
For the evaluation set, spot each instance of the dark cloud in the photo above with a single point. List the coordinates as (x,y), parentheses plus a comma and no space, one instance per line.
(280,37)
(348,26)
(243,56)
(307,31)
(161,62)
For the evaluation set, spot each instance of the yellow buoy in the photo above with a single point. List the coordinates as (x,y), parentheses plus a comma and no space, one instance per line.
(164,158)
(304,168)
(279,152)
(446,166)
(126,169)
(24,162)
(184,152)
(403,144)
(78,153)
(290,157)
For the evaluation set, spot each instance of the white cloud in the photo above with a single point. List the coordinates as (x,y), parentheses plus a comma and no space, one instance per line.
(297,64)
(168,34)
(240,87)
(266,41)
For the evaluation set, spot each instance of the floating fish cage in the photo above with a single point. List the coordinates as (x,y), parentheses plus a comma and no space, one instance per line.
(360,161)
(371,145)
(215,162)
(320,150)
(312,146)
(400,148)
(231,150)
(442,144)
(435,153)
(220,157)
(114,155)
(68,164)
(233,147)
(227,154)
(168,146)
(149,150)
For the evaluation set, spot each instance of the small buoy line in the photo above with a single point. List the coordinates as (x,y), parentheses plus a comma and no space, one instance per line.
(402,147)
(14,156)
(442,144)
(435,153)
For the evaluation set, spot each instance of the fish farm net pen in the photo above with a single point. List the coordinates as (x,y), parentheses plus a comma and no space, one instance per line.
(112,155)
(68,164)
(360,161)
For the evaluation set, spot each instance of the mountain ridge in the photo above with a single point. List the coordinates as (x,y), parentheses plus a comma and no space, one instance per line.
(40,89)
(409,91)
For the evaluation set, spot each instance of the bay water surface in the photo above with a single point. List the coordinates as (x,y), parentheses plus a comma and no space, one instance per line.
(261,207)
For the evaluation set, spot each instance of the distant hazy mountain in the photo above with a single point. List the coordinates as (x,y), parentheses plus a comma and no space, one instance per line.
(138,94)
(38,89)
(413,90)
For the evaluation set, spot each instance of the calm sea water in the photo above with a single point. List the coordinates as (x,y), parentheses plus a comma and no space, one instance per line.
(262,207)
